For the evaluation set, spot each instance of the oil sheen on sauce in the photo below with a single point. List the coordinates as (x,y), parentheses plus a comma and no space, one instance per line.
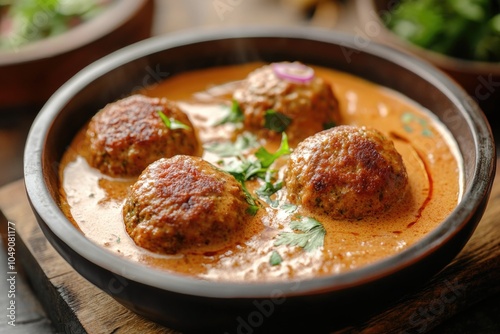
(93,201)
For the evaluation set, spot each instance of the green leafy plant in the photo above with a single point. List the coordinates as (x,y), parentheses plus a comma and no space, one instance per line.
(468,29)
(32,20)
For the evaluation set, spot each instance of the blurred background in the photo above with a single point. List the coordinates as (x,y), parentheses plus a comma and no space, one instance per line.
(44,42)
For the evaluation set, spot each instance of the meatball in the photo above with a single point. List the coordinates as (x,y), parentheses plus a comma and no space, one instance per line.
(309,104)
(346,172)
(184,203)
(127,135)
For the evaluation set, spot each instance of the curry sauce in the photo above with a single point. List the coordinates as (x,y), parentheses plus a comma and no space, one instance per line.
(94,201)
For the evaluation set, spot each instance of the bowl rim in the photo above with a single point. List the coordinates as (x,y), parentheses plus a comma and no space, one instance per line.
(113,16)
(48,210)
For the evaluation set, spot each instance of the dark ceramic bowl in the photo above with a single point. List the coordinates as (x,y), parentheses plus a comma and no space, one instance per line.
(32,73)
(191,304)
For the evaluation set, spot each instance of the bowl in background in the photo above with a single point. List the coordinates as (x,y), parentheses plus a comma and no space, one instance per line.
(33,72)
(191,304)
(480,79)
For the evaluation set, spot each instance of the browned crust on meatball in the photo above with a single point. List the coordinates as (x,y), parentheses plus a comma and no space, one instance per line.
(312,106)
(184,203)
(127,135)
(346,172)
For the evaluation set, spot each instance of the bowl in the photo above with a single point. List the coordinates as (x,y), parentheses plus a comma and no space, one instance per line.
(190,304)
(33,72)
(480,79)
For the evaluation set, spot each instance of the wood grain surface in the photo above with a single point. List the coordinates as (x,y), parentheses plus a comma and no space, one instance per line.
(77,306)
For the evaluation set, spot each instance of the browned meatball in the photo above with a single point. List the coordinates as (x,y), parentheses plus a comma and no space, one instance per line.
(183,203)
(310,105)
(346,172)
(127,135)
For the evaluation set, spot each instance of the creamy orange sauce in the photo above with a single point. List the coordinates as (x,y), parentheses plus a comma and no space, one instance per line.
(94,201)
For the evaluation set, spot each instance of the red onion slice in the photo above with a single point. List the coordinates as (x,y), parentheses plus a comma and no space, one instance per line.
(295,72)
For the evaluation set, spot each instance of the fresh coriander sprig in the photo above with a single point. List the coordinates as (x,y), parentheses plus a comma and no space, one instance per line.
(267,159)
(276,121)
(252,201)
(235,115)
(308,234)
(243,142)
(247,169)
(269,188)
(172,123)
(244,169)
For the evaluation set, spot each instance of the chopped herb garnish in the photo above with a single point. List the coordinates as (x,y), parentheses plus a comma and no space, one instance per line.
(172,123)
(235,115)
(275,258)
(289,208)
(247,169)
(276,121)
(268,189)
(309,234)
(244,169)
(329,125)
(117,238)
(243,142)
(266,159)
(252,201)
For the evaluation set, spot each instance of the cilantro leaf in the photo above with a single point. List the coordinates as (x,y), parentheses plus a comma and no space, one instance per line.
(268,189)
(252,201)
(266,158)
(243,169)
(275,258)
(226,149)
(289,208)
(235,115)
(309,234)
(276,121)
(329,125)
(172,123)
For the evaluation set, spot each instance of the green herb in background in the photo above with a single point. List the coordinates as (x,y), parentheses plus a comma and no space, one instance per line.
(33,20)
(467,29)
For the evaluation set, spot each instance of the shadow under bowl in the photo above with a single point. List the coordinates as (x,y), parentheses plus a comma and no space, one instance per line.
(191,304)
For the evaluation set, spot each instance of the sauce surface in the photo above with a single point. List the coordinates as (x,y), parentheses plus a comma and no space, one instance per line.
(93,201)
